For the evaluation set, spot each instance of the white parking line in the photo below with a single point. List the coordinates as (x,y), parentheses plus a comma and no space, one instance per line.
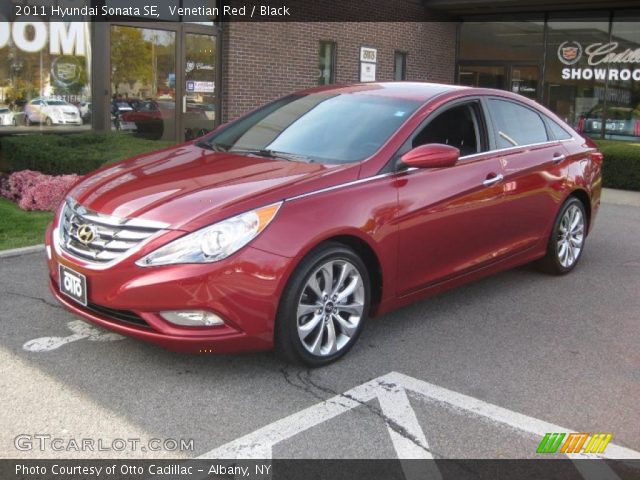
(80,329)
(408,439)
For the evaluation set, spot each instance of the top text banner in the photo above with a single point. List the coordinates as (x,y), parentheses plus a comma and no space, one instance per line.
(216,11)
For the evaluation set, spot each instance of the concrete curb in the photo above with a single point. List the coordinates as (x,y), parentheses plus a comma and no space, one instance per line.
(16,252)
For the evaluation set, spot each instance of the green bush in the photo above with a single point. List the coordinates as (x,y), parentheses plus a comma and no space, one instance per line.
(76,153)
(621,167)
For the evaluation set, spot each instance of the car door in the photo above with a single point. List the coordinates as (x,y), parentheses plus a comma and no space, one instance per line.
(450,219)
(529,155)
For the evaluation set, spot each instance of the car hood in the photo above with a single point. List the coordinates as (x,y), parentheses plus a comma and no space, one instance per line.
(188,187)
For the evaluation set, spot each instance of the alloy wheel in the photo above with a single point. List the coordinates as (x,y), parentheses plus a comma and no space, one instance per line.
(570,238)
(330,307)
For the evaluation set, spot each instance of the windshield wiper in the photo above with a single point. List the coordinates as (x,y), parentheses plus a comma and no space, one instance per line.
(215,147)
(267,153)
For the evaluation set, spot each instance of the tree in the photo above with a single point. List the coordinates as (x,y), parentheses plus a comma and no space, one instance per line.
(131,58)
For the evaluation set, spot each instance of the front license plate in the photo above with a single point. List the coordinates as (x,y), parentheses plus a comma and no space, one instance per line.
(73,285)
(127,126)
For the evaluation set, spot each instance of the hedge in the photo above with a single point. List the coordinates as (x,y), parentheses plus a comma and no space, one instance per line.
(76,153)
(621,167)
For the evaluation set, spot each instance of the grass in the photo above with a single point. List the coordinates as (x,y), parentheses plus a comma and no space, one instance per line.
(54,155)
(19,228)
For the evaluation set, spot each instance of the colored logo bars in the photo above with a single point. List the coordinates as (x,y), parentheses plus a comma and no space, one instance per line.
(574,443)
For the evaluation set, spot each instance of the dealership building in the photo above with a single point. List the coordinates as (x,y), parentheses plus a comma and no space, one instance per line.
(182,74)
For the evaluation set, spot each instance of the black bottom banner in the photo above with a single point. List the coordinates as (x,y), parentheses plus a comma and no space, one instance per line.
(565,469)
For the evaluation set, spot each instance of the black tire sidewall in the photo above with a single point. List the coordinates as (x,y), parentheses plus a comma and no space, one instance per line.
(287,342)
(552,254)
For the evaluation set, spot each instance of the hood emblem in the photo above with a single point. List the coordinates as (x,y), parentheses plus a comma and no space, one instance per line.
(86,234)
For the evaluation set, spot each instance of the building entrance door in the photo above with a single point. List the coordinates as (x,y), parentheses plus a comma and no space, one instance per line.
(200,104)
(517,78)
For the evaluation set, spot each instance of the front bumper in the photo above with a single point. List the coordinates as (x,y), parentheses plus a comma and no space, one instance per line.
(244,290)
(67,121)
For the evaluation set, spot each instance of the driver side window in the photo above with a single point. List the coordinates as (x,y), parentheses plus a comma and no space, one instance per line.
(458,126)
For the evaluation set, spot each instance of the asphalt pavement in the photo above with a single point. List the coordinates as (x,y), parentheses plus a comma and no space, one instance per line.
(561,350)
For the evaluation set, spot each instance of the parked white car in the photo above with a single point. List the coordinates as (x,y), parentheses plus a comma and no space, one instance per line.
(51,112)
(6,117)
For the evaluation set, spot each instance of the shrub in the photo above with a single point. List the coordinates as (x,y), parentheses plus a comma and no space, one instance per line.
(621,168)
(36,191)
(76,153)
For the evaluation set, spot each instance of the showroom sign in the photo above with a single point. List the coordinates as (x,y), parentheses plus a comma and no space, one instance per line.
(599,55)
(33,37)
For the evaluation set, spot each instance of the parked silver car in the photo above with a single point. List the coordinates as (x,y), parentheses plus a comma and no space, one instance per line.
(7,118)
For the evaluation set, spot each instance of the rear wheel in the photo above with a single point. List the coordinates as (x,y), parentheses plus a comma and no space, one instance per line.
(567,239)
(324,306)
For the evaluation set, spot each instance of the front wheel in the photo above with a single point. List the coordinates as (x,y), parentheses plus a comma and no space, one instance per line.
(48,122)
(323,307)
(567,239)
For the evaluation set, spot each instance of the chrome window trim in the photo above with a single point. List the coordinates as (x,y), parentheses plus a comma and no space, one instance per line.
(341,185)
(409,170)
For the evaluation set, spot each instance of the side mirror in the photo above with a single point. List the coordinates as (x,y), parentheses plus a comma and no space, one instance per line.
(433,155)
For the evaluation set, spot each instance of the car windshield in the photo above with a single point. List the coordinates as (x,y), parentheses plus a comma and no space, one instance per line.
(55,102)
(4,110)
(323,127)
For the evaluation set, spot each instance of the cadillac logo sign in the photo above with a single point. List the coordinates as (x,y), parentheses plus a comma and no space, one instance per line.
(86,234)
(66,70)
(570,53)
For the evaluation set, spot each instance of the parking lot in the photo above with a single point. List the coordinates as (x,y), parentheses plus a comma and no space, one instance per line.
(520,346)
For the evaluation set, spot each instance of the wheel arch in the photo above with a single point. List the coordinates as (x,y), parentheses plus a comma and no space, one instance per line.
(584,198)
(361,247)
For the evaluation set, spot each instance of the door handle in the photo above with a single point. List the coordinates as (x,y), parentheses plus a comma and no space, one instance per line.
(558,157)
(490,181)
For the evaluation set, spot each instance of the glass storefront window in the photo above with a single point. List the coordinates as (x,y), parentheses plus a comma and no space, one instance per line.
(200,74)
(143,81)
(45,76)
(515,41)
(623,93)
(575,88)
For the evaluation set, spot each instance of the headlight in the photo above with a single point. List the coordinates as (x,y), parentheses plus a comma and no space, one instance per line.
(213,243)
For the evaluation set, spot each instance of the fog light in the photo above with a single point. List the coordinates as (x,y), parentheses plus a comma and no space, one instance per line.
(192,318)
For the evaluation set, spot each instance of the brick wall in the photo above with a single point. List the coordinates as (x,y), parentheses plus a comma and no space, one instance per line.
(263,61)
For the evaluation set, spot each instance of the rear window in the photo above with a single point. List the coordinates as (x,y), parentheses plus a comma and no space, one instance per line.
(516,124)
(558,132)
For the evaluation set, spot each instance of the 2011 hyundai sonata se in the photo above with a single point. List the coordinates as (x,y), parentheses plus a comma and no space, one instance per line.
(292,225)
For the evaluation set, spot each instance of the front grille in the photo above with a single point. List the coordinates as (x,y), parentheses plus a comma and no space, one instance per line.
(124,316)
(101,238)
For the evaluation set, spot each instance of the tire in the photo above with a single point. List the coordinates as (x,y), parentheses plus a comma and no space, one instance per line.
(14,122)
(301,306)
(567,240)
(48,122)
(27,121)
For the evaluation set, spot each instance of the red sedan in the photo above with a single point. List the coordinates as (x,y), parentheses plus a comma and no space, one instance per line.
(292,225)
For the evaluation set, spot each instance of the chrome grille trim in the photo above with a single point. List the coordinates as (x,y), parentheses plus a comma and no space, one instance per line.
(114,236)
